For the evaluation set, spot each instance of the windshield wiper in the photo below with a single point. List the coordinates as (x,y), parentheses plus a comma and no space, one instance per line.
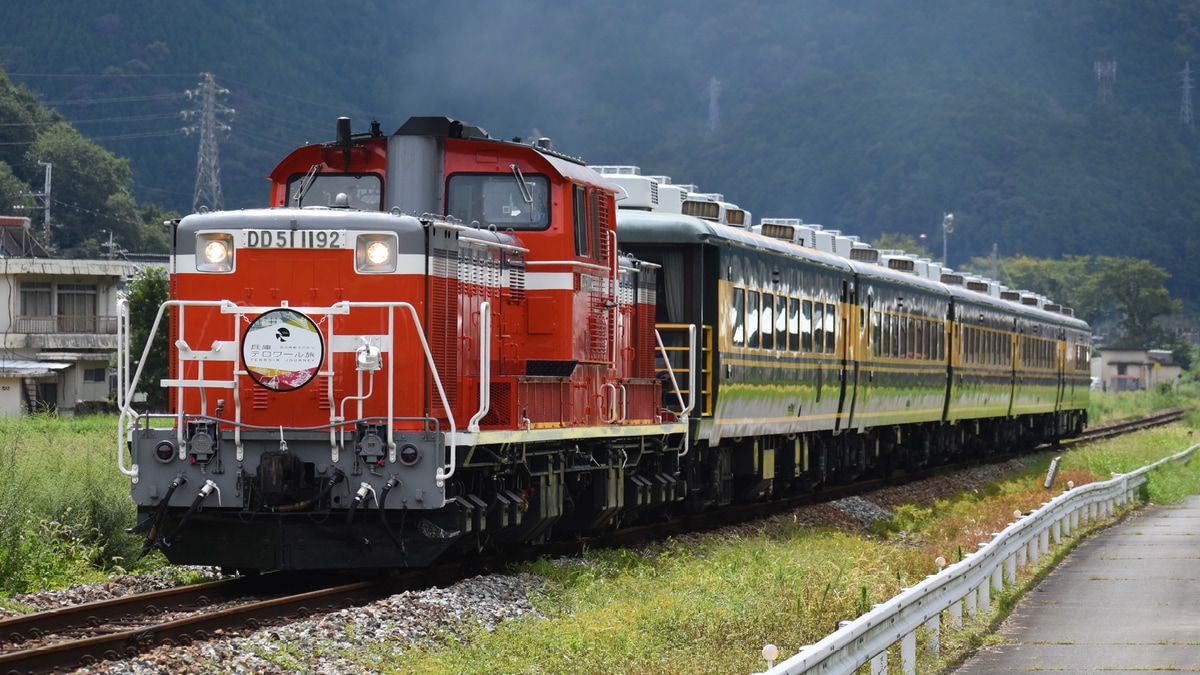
(309,179)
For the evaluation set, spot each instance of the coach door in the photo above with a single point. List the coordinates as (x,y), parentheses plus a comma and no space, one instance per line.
(1061,369)
(848,365)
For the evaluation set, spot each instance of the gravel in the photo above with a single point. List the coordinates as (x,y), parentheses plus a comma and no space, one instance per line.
(410,619)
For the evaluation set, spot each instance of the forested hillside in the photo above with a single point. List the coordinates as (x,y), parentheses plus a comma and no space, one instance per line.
(876,116)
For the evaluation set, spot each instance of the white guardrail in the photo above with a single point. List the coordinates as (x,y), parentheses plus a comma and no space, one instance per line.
(967,584)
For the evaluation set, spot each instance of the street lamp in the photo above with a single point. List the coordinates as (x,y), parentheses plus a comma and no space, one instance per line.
(947,228)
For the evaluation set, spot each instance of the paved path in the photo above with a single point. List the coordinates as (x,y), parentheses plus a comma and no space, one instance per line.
(1127,600)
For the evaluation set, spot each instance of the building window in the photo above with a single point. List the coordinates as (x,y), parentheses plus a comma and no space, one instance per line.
(35,298)
(95,374)
(77,308)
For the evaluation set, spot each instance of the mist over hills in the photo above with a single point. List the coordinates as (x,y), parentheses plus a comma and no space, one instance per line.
(874,116)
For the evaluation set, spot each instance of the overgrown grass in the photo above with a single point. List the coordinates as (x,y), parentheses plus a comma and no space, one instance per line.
(63,504)
(1111,407)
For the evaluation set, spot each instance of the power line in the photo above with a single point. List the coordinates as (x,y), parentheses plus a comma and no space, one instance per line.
(119,99)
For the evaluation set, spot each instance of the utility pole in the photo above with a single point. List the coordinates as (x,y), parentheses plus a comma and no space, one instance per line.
(44,195)
(1185,105)
(208,169)
(714,109)
(1106,74)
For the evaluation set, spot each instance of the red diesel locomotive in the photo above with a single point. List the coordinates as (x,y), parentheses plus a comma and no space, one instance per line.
(361,381)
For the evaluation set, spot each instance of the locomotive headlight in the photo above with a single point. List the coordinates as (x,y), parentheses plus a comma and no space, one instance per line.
(409,454)
(378,253)
(164,451)
(375,253)
(214,252)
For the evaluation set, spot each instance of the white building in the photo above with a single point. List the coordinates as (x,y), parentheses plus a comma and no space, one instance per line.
(1135,369)
(58,325)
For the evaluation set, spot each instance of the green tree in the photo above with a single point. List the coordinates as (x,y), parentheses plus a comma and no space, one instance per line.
(146,292)
(1135,291)
(91,188)
(11,188)
(154,236)
(890,241)
(22,117)
(1131,291)
(1060,280)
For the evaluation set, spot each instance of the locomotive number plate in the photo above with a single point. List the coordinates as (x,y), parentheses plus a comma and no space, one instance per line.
(294,239)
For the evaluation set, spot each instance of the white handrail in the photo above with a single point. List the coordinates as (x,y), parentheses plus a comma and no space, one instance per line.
(685,410)
(867,638)
(485,365)
(127,413)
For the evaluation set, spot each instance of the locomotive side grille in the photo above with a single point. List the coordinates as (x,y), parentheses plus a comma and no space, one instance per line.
(495,275)
(321,387)
(597,325)
(259,399)
(443,322)
(646,342)
(500,413)
(603,218)
(544,402)
(516,278)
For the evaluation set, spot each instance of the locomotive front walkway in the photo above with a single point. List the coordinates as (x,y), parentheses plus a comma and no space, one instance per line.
(1126,600)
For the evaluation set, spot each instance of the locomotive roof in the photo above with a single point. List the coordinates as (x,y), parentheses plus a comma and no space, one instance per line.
(313,218)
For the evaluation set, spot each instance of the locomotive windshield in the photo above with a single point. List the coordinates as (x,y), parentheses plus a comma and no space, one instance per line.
(504,200)
(363,190)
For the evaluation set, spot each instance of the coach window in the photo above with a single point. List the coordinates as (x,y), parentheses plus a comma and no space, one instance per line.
(752,309)
(830,329)
(877,335)
(818,327)
(806,326)
(794,324)
(886,342)
(581,222)
(737,318)
(781,332)
(921,350)
(767,325)
(506,200)
(896,336)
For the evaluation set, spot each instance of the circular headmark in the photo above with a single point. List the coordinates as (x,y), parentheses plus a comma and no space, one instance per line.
(283,350)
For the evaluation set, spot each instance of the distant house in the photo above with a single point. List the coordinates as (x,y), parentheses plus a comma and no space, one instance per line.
(1135,369)
(58,324)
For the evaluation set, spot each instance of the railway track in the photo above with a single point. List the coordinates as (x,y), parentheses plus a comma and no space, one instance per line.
(1153,419)
(82,635)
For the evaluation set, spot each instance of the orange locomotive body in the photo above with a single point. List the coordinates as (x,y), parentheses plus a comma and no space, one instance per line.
(430,342)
